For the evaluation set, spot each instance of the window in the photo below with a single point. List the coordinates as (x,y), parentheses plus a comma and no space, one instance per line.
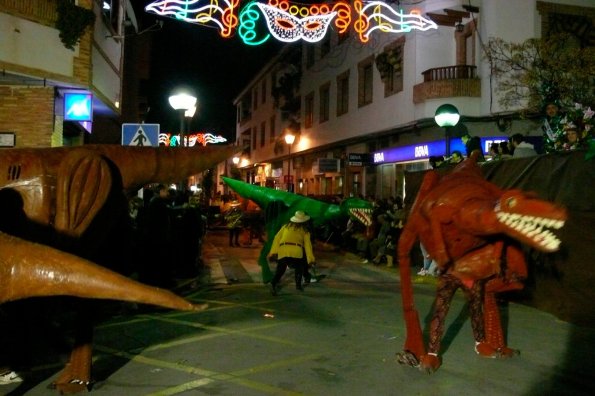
(246,108)
(309,110)
(272,129)
(245,139)
(110,10)
(254,132)
(262,134)
(365,82)
(343,93)
(325,98)
(390,65)
(255,100)
(263,91)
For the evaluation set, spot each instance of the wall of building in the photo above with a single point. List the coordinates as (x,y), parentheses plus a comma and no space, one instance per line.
(32,57)
(28,112)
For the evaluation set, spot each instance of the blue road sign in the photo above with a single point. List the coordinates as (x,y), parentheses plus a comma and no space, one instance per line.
(140,135)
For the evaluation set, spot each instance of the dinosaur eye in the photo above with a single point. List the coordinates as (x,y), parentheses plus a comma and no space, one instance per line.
(511,202)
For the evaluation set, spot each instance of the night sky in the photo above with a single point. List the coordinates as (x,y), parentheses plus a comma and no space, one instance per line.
(196,56)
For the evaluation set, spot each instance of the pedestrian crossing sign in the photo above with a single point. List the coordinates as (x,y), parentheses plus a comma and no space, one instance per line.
(140,135)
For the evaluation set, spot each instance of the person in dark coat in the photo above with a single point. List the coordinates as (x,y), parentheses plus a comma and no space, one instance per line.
(473,143)
(158,238)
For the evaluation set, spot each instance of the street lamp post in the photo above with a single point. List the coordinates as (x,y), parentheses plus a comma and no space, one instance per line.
(447,116)
(289,139)
(184,103)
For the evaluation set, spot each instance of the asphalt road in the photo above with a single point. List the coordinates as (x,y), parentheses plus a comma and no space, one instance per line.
(338,337)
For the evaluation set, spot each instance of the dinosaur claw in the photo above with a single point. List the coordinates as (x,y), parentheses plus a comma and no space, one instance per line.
(486,350)
(506,352)
(407,358)
(429,363)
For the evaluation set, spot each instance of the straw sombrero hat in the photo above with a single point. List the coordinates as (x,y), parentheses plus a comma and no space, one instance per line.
(299,217)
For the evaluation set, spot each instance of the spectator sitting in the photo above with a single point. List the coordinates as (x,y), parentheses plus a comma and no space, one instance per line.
(378,245)
(521,148)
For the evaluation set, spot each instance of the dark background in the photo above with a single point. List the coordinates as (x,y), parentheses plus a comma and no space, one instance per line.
(217,69)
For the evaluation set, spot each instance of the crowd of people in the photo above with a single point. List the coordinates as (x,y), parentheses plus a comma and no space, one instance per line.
(168,228)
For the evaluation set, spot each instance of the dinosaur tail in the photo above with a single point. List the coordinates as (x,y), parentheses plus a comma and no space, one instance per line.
(28,270)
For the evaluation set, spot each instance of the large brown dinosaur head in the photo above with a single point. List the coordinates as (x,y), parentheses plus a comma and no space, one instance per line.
(530,220)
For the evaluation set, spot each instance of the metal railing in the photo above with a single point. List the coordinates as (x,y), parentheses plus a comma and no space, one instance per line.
(450,73)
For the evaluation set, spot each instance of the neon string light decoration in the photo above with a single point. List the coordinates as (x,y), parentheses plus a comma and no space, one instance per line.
(287,27)
(257,22)
(193,11)
(169,139)
(387,20)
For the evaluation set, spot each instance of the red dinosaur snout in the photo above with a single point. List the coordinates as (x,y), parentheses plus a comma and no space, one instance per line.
(531,220)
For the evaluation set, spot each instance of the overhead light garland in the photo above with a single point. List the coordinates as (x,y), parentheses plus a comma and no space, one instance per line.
(290,22)
(172,140)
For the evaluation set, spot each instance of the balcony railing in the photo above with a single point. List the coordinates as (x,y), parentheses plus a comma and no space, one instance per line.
(450,73)
(448,82)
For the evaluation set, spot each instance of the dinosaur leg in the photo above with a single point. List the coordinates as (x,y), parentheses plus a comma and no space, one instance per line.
(475,296)
(414,344)
(493,326)
(514,272)
(447,286)
(76,375)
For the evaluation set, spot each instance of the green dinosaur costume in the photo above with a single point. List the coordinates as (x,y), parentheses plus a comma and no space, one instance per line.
(279,206)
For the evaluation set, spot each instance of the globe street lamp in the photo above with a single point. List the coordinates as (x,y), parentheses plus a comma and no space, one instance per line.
(447,116)
(185,105)
(289,139)
(183,102)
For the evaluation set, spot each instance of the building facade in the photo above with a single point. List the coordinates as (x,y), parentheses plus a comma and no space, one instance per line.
(363,113)
(45,65)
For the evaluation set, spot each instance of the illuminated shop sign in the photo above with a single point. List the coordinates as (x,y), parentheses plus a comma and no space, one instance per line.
(428,149)
(78,106)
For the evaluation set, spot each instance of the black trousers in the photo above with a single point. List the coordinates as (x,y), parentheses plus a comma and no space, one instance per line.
(234,236)
(300,265)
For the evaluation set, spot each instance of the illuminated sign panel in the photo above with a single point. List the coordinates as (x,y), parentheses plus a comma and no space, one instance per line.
(429,149)
(78,107)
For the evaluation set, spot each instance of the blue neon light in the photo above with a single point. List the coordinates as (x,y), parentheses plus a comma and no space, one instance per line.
(425,150)
(78,107)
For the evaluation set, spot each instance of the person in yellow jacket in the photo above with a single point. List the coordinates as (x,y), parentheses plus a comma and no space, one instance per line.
(292,247)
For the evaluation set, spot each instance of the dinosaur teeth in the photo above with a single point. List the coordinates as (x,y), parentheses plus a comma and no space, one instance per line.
(533,228)
(363,215)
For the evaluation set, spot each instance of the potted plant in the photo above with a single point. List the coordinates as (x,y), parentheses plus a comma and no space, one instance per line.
(72,22)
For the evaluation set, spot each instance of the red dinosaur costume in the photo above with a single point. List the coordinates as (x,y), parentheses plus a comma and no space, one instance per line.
(471,228)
